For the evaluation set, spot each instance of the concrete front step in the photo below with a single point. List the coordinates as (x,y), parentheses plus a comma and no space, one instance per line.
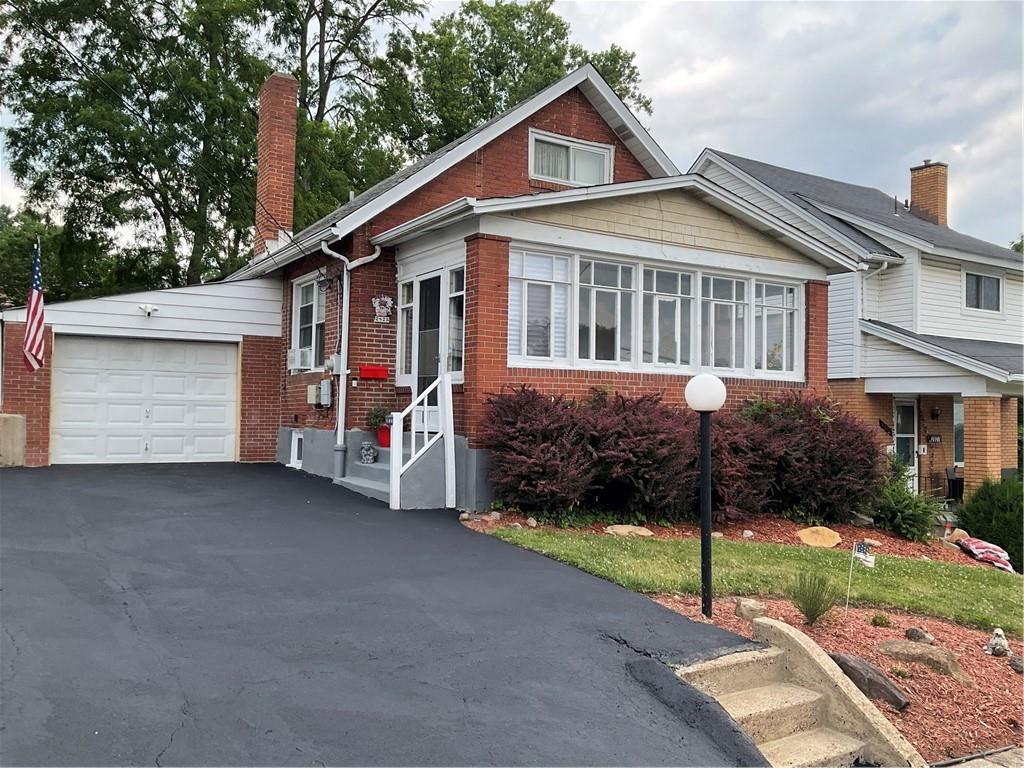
(812,748)
(774,711)
(736,672)
(371,488)
(379,472)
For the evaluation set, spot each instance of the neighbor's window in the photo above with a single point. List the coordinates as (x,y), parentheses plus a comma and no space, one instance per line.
(405,316)
(774,327)
(605,311)
(982,292)
(668,316)
(723,320)
(538,305)
(567,161)
(456,317)
(958,432)
(309,302)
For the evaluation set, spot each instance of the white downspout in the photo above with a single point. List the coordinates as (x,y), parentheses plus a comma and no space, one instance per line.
(346,308)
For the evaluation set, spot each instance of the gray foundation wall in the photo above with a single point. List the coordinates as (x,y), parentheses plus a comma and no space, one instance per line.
(317,450)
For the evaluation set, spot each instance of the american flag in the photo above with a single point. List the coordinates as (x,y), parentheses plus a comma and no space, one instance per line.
(34,316)
(863,553)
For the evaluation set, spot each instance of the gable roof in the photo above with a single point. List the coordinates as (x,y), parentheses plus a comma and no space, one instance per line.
(386,193)
(707,190)
(850,209)
(997,359)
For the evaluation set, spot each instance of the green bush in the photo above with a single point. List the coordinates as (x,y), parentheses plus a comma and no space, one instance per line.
(814,595)
(880,620)
(994,513)
(901,510)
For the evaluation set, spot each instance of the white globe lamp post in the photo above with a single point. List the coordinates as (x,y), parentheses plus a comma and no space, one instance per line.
(705,393)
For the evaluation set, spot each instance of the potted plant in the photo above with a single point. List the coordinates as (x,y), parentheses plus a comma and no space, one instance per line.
(377,419)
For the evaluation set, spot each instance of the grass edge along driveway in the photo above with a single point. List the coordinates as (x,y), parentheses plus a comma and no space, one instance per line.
(978,597)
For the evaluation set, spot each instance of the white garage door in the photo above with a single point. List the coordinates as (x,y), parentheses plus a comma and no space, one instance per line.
(134,400)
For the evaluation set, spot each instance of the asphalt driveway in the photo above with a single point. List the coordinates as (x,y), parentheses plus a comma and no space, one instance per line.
(232,614)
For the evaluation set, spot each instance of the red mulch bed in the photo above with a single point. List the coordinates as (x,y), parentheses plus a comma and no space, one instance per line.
(776,530)
(944,719)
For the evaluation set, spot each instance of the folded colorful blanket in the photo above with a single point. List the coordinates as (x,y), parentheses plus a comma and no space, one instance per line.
(987,553)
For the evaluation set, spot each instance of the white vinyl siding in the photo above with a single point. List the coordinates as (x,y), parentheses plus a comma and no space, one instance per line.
(942,310)
(895,289)
(842,316)
(883,358)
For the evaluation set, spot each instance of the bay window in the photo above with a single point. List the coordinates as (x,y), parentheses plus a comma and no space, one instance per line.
(538,305)
(585,311)
(605,311)
(774,327)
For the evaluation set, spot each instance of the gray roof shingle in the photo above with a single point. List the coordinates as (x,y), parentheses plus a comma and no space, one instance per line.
(868,203)
(1000,354)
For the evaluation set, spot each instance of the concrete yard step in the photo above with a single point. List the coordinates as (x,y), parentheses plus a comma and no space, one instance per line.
(371,488)
(810,749)
(379,472)
(736,672)
(773,711)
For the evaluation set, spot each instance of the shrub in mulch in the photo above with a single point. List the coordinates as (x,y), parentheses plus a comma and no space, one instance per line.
(993,513)
(903,511)
(827,464)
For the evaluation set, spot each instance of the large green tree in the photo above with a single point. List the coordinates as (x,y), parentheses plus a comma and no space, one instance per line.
(474,63)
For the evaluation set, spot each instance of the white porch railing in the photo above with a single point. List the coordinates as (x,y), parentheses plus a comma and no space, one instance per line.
(421,433)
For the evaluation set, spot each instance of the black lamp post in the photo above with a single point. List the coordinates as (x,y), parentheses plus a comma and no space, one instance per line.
(705,394)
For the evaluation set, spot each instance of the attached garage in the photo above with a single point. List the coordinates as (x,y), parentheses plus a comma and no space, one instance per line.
(139,400)
(180,375)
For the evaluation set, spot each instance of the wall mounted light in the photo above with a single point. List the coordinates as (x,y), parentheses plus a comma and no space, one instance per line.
(936,412)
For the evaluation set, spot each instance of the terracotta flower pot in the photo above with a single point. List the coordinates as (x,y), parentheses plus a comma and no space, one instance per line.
(384,436)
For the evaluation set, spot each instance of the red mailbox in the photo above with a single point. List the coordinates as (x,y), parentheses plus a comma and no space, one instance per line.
(373,371)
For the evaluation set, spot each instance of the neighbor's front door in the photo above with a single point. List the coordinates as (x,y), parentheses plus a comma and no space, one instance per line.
(906,438)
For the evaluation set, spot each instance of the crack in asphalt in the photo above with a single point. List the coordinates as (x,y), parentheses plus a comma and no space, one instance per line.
(12,664)
(619,639)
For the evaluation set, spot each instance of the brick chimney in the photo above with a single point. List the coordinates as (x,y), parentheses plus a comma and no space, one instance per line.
(275,159)
(928,184)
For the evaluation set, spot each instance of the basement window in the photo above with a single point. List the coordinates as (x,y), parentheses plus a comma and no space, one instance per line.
(572,162)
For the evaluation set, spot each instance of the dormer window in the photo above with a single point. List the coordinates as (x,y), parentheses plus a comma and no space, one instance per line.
(572,162)
(982,292)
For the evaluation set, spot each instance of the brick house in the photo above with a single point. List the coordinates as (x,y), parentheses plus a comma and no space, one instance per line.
(925,336)
(556,245)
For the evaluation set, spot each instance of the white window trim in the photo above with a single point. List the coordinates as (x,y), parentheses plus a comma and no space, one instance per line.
(574,361)
(294,461)
(569,141)
(981,272)
(409,379)
(297,285)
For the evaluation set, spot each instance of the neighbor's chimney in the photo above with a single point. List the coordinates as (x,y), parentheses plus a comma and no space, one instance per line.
(928,183)
(275,159)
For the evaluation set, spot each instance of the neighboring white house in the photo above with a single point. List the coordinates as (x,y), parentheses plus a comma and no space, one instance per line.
(925,340)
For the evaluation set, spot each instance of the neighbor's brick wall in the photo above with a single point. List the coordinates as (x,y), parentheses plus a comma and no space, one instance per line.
(869,408)
(487,343)
(816,335)
(28,393)
(982,442)
(500,168)
(260,389)
(1008,431)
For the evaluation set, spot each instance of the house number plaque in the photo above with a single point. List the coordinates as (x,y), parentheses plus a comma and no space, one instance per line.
(382,306)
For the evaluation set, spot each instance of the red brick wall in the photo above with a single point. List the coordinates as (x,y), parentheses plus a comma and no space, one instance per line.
(28,393)
(260,398)
(816,335)
(499,168)
(982,444)
(1008,431)
(933,465)
(928,191)
(275,158)
(487,343)
(869,408)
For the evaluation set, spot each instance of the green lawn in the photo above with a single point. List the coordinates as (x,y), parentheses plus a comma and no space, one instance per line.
(981,597)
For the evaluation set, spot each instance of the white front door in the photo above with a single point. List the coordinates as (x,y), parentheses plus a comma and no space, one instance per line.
(905,435)
(119,400)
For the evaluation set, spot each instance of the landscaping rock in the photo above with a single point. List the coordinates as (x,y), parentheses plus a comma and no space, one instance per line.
(628,530)
(463,516)
(717,535)
(495,516)
(531,522)
(515,525)
(956,535)
(749,609)
(997,645)
(819,536)
(918,635)
(1017,664)
(862,521)
(871,680)
(939,659)
(748,534)
(873,542)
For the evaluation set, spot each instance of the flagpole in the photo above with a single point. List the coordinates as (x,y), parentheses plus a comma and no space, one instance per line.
(849,581)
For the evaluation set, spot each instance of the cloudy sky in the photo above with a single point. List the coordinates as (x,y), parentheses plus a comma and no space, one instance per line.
(854,91)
